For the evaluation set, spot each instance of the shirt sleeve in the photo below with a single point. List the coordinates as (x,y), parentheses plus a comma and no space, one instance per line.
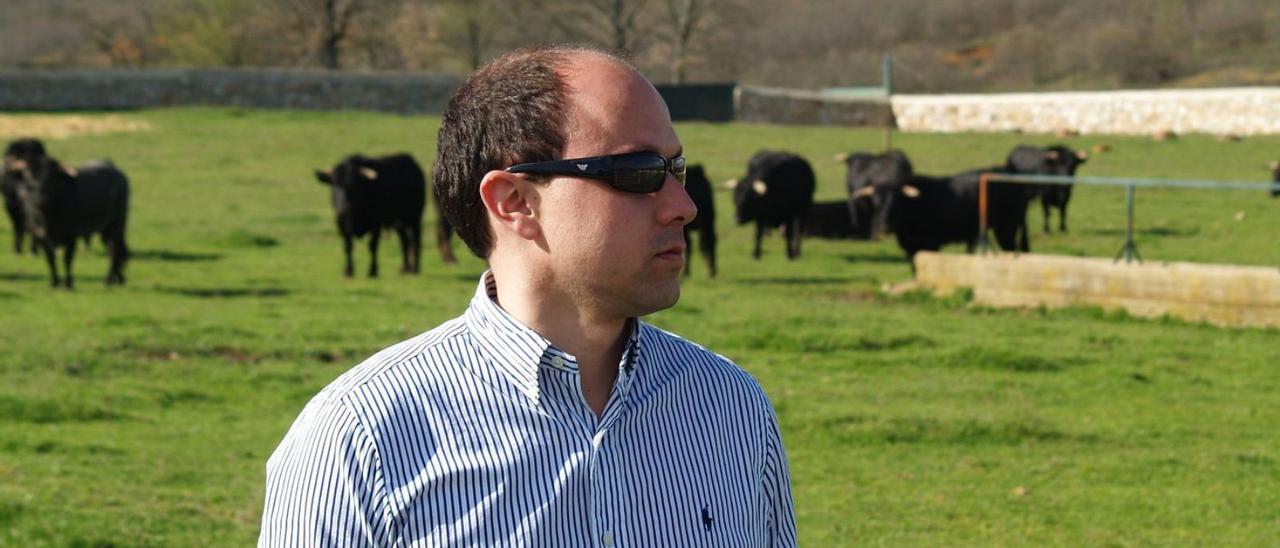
(324,484)
(777,488)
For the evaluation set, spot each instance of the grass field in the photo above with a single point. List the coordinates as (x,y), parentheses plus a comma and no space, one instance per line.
(143,415)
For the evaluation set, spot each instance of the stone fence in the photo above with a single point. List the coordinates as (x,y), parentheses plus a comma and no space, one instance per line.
(1233,111)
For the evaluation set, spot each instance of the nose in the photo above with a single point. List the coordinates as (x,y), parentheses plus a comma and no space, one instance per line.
(677,206)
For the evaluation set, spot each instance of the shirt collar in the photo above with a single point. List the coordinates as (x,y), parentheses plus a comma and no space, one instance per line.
(518,352)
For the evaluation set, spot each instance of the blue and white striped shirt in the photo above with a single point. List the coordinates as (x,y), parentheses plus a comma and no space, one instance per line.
(476,433)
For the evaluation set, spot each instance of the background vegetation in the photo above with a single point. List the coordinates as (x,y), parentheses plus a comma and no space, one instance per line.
(938,45)
(143,415)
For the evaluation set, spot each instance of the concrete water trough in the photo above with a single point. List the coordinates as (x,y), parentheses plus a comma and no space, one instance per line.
(1223,295)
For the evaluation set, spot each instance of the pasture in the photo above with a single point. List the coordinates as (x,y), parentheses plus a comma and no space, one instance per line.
(143,415)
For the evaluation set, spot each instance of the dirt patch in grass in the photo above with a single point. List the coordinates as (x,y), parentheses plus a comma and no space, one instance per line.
(65,125)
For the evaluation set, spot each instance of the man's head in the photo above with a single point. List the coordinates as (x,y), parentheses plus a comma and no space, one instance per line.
(577,236)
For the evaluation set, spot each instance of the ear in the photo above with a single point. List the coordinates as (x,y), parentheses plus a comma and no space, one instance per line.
(369,173)
(759,187)
(510,201)
(324,176)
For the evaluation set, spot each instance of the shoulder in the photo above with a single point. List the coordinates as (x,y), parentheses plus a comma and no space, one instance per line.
(671,358)
(386,371)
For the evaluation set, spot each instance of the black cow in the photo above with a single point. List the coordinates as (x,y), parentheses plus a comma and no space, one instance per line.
(1275,177)
(61,204)
(373,194)
(699,189)
(777,190)
(831,220)
(1059,160)
(926,213)
(28,151)
(870,180)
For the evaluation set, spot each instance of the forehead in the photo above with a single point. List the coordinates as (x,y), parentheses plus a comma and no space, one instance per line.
(612,109)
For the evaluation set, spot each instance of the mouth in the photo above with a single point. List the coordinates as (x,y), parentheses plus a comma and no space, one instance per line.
(674,253)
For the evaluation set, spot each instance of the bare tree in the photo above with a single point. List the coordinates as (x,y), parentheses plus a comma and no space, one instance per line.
(327,22)
(684,18)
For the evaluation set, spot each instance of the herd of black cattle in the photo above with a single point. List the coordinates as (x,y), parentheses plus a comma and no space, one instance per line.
(56,204)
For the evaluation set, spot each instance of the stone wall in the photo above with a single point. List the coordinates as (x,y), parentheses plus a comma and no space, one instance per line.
(1224,295)
(111,90)
(1234,111)
(795,107)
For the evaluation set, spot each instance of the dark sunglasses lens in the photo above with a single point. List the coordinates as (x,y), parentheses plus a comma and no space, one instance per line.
(641,173)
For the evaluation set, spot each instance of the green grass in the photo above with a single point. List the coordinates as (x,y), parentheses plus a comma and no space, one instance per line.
(143,415)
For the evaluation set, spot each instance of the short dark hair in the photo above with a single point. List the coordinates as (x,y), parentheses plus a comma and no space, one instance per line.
(510,111)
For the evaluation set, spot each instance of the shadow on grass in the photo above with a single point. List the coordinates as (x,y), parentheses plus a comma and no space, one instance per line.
(22,277)
(873,258)
(1161,231)
(225,292)
(815,280)
(967,432)
(43,411)
(172,256)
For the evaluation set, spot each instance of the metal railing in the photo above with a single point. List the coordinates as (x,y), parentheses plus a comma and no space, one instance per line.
(1130,250)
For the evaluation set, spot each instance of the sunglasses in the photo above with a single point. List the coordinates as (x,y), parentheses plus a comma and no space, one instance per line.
(636,172)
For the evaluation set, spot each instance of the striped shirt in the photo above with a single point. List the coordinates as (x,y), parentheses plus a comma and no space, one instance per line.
(476,433)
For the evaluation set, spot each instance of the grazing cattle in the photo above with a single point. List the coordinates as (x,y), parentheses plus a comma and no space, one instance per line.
(870,180)
(777,190)
(831,220)
(1059,160)
(373,194)
(27,151)
(699,189)
(61,204)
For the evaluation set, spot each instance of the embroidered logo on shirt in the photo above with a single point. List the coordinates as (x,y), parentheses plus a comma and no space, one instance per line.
(706,519)
(582,167)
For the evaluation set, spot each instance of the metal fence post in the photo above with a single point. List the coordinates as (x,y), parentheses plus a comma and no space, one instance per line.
(1130,250)
(983,245)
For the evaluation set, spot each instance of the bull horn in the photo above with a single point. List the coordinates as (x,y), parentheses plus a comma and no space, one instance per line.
(841,158)
(1274,165)
(1052,155)
(759,187)
(369,173)
(864,191)
(69,170)
(15,164)
(1082,155)
(731,184)
(910,191)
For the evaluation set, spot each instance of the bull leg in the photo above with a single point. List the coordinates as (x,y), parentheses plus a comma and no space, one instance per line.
(1062,219)
(119,252)
(17,238)
(403,234)
(707,247)
(346,249)
(443,233)
(759,235)
(688,251)
(416,233)
(793,238)
(50,256)
(1024,237)
(1044,205)
(67,258)
(1008,239)
(373,252)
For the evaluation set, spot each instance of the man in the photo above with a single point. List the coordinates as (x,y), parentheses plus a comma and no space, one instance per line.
(546,415)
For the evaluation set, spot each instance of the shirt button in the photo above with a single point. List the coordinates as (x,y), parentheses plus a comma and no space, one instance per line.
(607,537)
(557,361)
